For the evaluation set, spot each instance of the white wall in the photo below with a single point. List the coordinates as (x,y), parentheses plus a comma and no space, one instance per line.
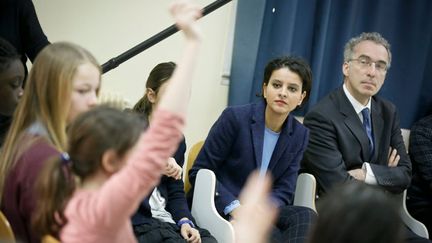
(107,28)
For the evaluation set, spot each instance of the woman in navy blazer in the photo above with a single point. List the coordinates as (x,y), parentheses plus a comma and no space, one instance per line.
(263,136)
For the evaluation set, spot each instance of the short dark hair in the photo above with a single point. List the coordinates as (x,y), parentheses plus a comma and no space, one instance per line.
(294,64)
(356,212)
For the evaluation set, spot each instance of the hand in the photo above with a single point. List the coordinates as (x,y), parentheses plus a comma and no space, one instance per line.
(255,217)
(393,158)
(234,213)
(186,14)
(190,234)
(172,169)
(358,174)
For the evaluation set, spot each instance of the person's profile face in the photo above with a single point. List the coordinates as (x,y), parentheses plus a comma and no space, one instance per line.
(11,80)
(366,70)
(85,87)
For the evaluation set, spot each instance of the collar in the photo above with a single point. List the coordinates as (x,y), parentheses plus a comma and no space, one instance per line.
(37,128)
(358,107)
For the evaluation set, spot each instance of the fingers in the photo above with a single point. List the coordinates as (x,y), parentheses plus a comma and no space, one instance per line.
(194,236)
(186,14)
(394,158)
(173,169)
(190,234)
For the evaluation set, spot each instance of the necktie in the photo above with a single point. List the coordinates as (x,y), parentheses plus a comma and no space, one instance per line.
(368,127)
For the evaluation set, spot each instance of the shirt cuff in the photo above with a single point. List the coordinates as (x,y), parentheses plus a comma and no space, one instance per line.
(233,205)
(370,176)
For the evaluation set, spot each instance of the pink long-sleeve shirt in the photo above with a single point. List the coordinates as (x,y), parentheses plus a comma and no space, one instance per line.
(103,215)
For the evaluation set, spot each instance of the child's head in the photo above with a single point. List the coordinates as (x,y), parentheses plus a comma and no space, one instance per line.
(99,141)
(64,81)
(155,86)
(99,133)
(11,78)
(357,212)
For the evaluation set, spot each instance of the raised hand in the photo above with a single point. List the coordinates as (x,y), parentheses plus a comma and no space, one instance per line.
(186,14)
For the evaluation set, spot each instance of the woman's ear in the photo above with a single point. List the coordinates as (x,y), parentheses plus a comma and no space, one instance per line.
(111,162)
(264,91)
(303,95)
(151,95)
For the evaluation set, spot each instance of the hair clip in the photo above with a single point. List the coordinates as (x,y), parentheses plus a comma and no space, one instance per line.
(65,158)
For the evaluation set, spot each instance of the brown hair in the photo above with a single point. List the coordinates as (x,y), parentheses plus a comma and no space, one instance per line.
(90,136)
(159,75)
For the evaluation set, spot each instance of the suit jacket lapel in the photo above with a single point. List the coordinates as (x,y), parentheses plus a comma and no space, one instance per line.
(282,143)
(377,125)
(353,123)
(257,130)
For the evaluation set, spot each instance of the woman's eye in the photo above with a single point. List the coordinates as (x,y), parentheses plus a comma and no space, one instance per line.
(276,85)
(292,89)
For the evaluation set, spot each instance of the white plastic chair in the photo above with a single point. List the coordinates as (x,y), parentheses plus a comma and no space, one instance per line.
(305,192)
(416,226)
(206,215)
(204,210)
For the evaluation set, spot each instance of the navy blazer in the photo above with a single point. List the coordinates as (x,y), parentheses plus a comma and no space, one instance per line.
(173,192)
(339,143)
(234,147)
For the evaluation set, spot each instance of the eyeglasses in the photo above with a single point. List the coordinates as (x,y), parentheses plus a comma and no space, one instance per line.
(366,62)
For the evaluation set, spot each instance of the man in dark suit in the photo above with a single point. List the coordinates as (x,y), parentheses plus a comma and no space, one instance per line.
(355,135)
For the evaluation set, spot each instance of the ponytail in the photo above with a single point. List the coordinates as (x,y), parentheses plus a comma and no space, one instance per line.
(54,186)
(143,106)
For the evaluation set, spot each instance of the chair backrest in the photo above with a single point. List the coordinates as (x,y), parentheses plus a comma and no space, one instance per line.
(406,136)
(193,153)
(6,233)
(305,191)
(413,224)
(49,239)
(204,210)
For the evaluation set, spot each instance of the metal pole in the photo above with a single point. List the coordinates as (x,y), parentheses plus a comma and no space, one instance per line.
(116,61)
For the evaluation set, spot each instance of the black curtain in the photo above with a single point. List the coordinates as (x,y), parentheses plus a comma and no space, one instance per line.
(317,31)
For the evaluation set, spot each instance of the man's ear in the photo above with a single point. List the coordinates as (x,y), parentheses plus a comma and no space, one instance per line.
(110,162)
(345,68)
(151,95)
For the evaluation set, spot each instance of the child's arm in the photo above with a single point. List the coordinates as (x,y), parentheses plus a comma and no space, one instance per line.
(119,197)
(177,93)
